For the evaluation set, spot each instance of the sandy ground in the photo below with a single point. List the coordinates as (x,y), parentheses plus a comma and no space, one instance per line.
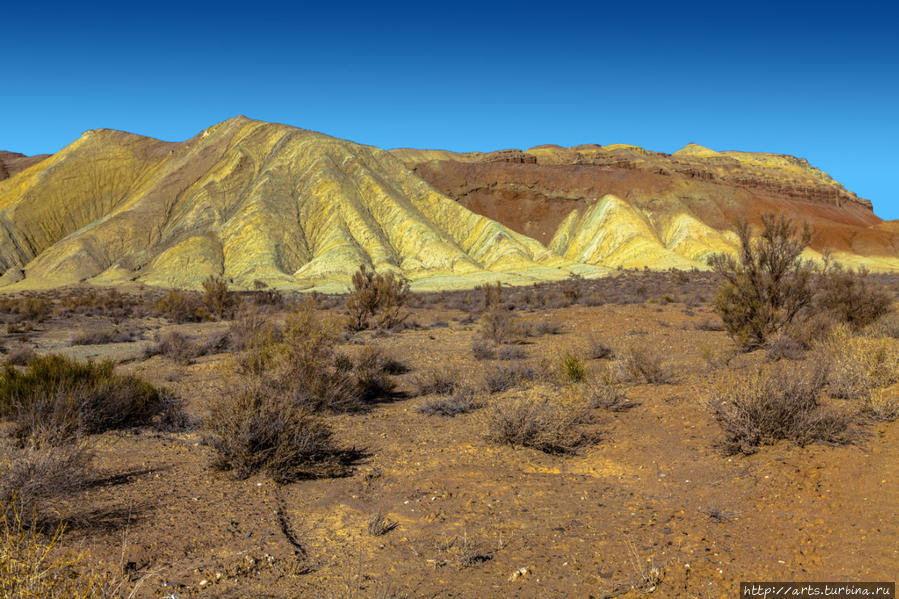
(653,506)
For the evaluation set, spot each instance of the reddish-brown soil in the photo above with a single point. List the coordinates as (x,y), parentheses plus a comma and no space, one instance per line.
(13,162)
(534,198)
(654,491)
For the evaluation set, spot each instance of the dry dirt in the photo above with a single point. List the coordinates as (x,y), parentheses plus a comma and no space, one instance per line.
(655,494)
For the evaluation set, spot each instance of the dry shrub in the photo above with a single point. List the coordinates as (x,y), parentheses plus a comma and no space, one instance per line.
(510,353)
(251,328)
(27,309)
(436,381)
(775,404)
(502,378)
(377,300)
(643,364)
(606,393)
(31,566)
(304,366)
(217,299)
(881,407)
(492,295)
(499,325)
(181,306)
(257,429)
(707,324)
(175,346)
(371,372)
(784,347)
(542,423)
(379,524)
(462,401)
(57,398)
(851,296)
(597,350)
(766,288)
(572,288)
(111,334)
(547,327)
(20,355)
(483,350)
(886,326)
(858,365)
(31,475)
(809,329)
(715,359)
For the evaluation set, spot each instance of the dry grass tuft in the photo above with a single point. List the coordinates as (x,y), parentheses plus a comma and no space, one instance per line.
(379,524)
(31,566)
(858,365)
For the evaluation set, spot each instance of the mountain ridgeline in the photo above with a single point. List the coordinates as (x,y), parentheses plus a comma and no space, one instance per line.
(269,204)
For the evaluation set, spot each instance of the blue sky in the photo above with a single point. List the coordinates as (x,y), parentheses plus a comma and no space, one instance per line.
(814,80)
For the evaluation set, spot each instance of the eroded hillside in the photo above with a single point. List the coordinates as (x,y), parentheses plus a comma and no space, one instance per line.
(259,203)
(621,205)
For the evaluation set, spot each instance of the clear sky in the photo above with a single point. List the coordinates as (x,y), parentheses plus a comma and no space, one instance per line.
(816,80)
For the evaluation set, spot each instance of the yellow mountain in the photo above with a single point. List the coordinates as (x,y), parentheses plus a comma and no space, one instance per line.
(254,202)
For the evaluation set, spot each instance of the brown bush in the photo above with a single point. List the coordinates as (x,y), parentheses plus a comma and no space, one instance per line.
(510,353)
(492,295)
(462,401)
(304,366)
(605,393)
(379,524)
(499,325)
(780,403)
(181,306)
(597,350)
(28,308)
(436,381)
(377,300)
(764,291)
(29,476)
(541,423)
(643,364)
(251,328)
(257,429)
(20,355)
(175,346)
(573,288)
(217,299)
(57,398)
(109,334)
(483,350)
(371,372)
(851,296)
(810,328)
(502,378)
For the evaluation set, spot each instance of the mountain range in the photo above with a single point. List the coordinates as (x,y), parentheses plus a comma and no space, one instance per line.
(266,204)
